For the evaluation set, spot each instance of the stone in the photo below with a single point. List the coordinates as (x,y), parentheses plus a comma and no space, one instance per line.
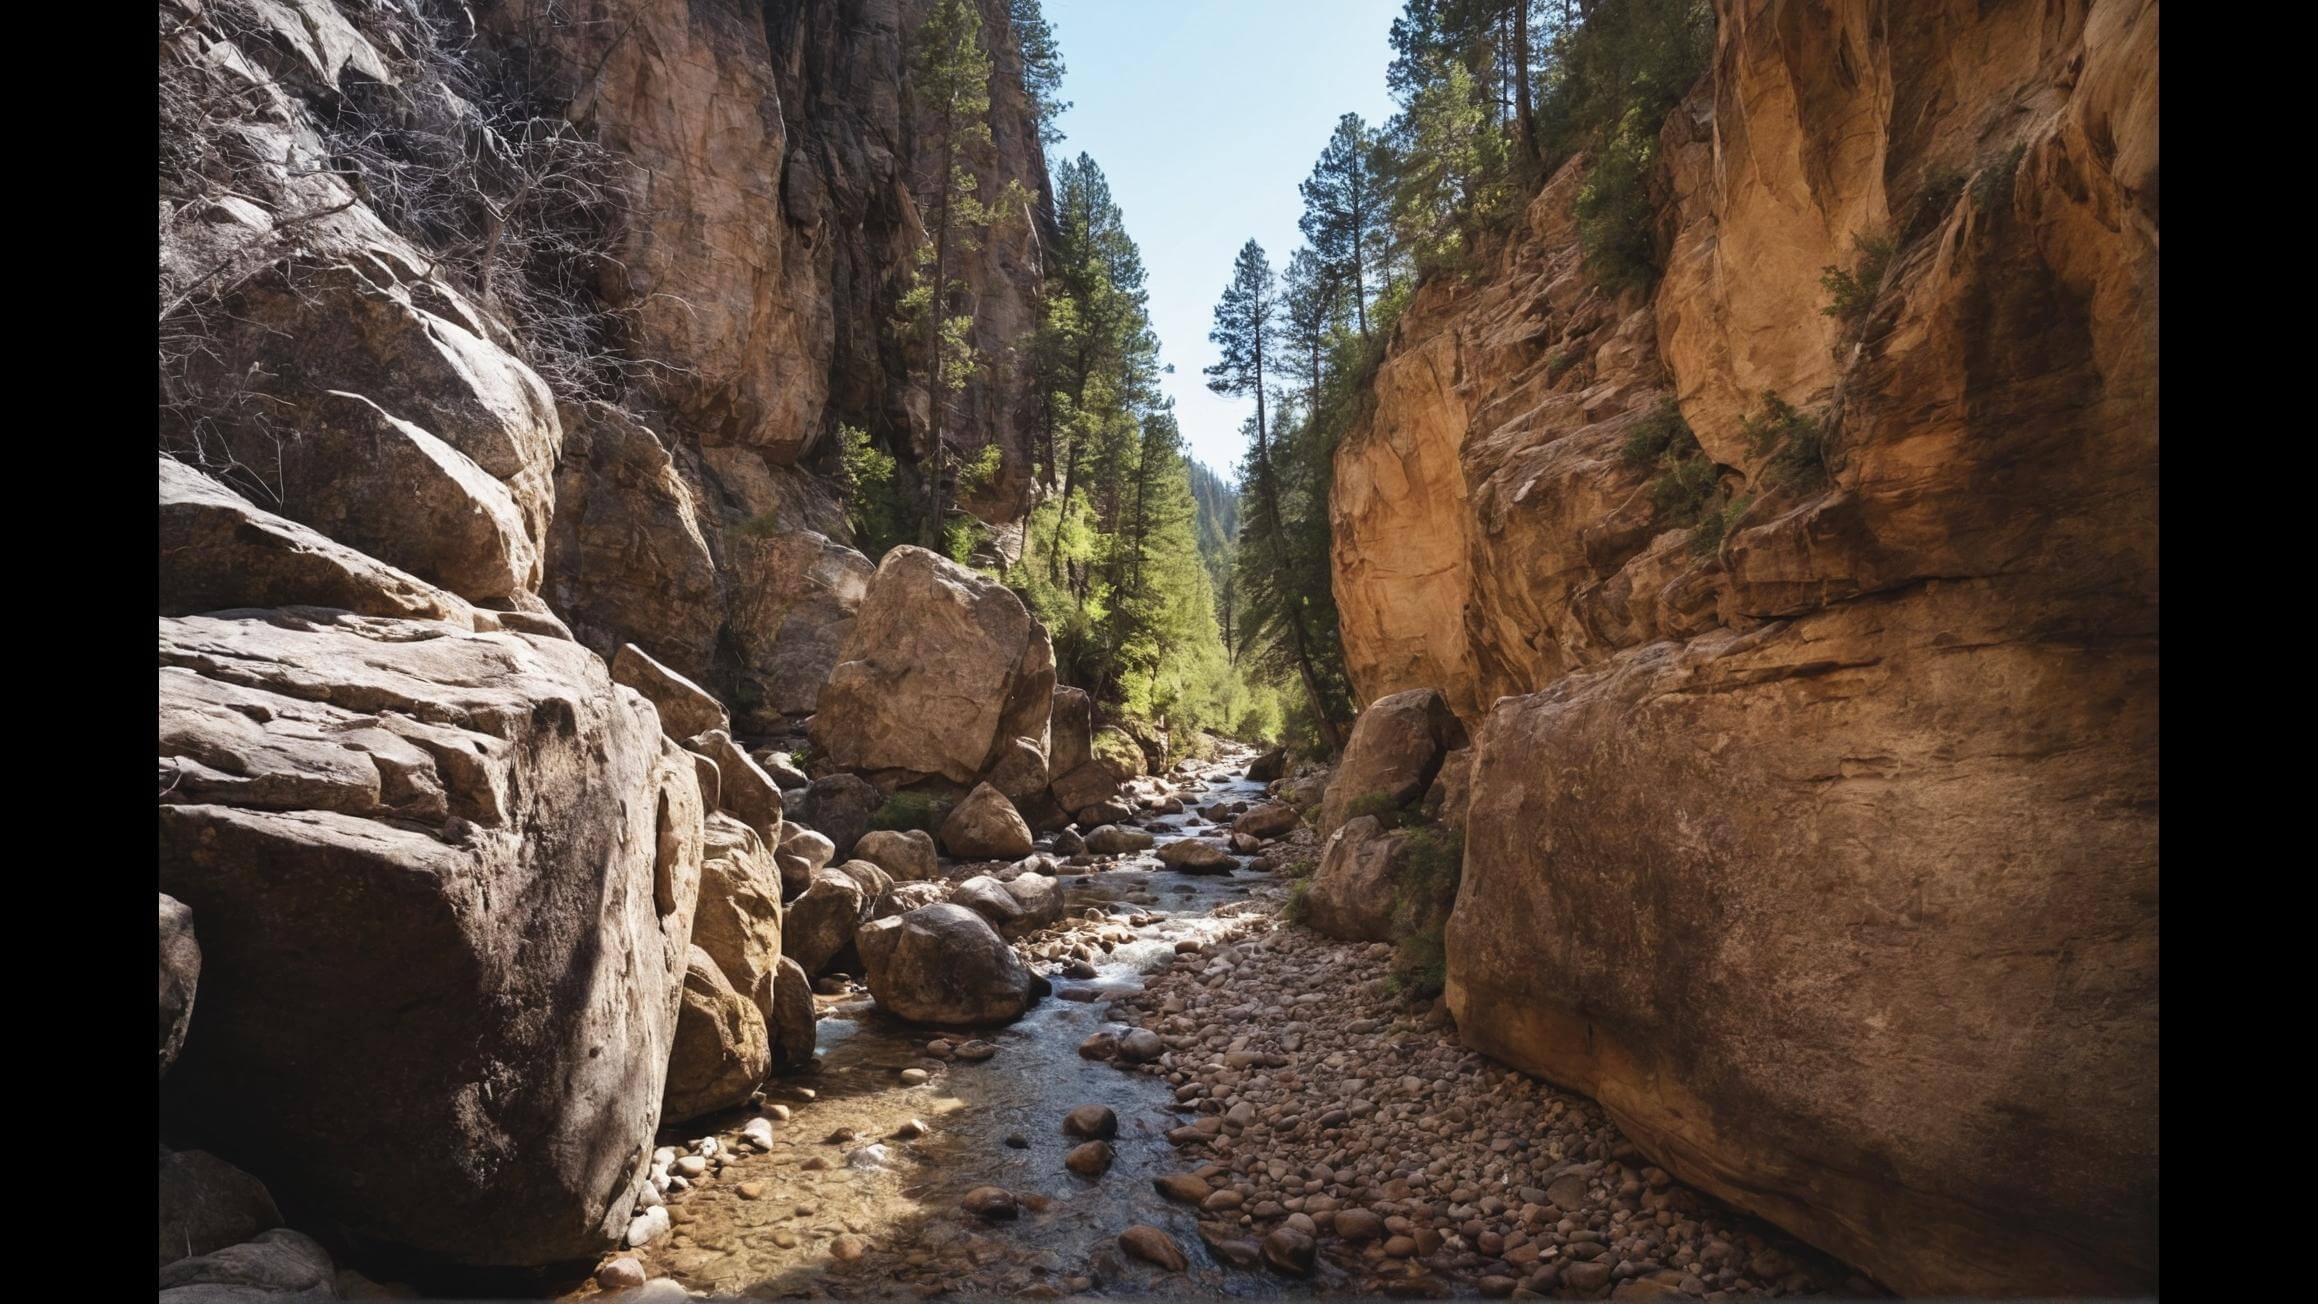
(1071,726)
(1358,1225)
(1118,839)
(1196,856)
(1091,1122)
(1092,1159)
(277,1262)
(1287,1250)
(180,970)
(821,923)
(620,1274)
(802,851)
(907,854)
(1269,767)
(985,826)
(1151,1245)
(686,709)
(838,806)
(1271,819)
(747,791)
(1374,885)
(721,1051)
(792,1023)
(1184,1188)
(991,1204)
(207,1204)
(1141,1046)
(738,922)
(375,782)
(943,674)
(944,964)
(1392,757)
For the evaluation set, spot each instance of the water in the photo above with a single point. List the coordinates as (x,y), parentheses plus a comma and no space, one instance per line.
(897,1200)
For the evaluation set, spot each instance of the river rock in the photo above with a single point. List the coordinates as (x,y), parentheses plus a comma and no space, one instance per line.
(839,806)
(1196,856)
(802,852)
(1091,1122)
(1118,839)
(1152,1245)
(991,1203)
(278,1263)
(1270,820)
(822,922)
(722,1051)
(1289,1251)
(944,964)
(985,826)
(792,1022)
(1269,766)
(1090,1160)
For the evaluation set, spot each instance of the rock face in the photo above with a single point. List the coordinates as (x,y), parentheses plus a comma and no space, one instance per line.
(180,976)
(1771,825)
(415,793)
(945,675)
(207,1204)
(1395,752)
(822,922)
(944,964)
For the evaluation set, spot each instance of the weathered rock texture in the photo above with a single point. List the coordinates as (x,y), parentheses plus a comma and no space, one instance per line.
(445,882)
(1824,856)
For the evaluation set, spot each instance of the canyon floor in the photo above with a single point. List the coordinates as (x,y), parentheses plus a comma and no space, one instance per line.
(1307,1128)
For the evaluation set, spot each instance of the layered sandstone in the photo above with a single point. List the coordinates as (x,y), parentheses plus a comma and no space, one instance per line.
(1822,852)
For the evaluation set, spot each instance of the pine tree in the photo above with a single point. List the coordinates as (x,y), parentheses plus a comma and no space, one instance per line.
(1309,307)
(1344,210)
(1246,327)
(1041,67)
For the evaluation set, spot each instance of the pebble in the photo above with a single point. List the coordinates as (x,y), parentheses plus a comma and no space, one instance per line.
(620,1274)
(1090,1160)
(914,1077)
(758,1132)
(1091,1121)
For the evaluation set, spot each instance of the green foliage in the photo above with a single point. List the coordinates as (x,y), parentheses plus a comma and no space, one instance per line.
(1714,526)
(1427,867)
(908,810)
(1420,965)
(1852,292)
(1686,481)
(874,505)
(763,526)
(1299,905)
(1795,444)
(1042,67)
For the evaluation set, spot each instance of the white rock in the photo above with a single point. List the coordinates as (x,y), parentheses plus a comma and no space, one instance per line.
(758,1132)
(690,1166)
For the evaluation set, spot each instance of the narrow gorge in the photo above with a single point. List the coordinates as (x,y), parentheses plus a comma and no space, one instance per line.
(721,735)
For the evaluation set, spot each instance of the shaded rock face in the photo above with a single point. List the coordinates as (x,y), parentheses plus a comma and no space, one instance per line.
(945,964)
(207,1204)
(944,675)
(1765,834)
(472,1067)
(180,976)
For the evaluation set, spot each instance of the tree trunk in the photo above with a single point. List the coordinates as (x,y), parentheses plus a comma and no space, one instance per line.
(930,534)
(1521,84)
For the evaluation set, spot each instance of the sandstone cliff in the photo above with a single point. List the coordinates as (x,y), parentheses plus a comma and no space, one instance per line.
(1813,830)
(492,344)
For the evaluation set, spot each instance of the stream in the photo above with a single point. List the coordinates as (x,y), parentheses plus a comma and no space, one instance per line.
(849,1202)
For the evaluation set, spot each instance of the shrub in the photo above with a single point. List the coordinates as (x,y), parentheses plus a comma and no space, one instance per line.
(1420,965)
(908,810)
(1684,488)
(1299,906)
(1706,539)
(1795,443)
(1852,293)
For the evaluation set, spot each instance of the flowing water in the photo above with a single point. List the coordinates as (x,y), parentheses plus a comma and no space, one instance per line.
(877,1212)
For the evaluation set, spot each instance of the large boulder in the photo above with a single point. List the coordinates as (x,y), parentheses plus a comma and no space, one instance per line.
(180,975)
(822,922)
(839,806)
(446,882)
(985,826)
(1197,856)
(686,709)
(1269,766)
(944,674)
(802,851)
(1271,819)
(722,1050)
(945,964)
(1394,754)
(219,551)
(792,1022)
(207,1204)
(1071,729)
(907,854)
(744,788)
(793,598)
(1019,905)
(738,923)
(1379,885)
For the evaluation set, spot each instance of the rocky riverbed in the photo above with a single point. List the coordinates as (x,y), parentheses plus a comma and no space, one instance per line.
(1211,1103)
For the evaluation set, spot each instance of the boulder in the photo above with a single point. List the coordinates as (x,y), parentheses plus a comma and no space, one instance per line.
(207,1204)
(1452,789)
(219,552)
(1196,856)
(686,709)
(722,1050)
(1113,810)
(503,852)
(906,897)
(1071,727)
(944,674)
(985,826)
(180,974)
(801,852)
(746,790)
(1395,752)
(1272,819)
(822,921)
(1352,893)
(944,964)
(277,1263)
(791,603)
(792,1022)
(1016,906)
(739,920)
(782,767)
(1088,785)
(907,854)
(1269,766)
(838,806)
(1119,839)
(876,885)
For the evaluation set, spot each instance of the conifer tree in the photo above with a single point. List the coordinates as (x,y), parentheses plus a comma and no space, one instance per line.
(1344,210)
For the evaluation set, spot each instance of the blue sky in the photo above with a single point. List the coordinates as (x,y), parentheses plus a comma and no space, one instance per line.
(1204,114)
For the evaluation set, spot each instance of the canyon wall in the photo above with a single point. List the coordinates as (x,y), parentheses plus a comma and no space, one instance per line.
(1816,839)
(428,461)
